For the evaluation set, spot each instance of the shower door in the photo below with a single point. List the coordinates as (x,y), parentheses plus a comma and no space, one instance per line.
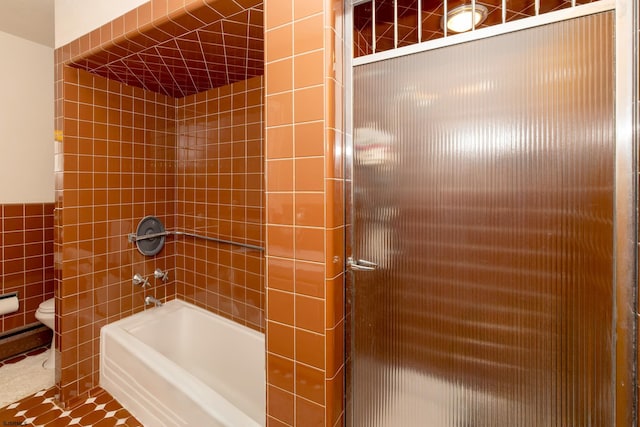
(483,190)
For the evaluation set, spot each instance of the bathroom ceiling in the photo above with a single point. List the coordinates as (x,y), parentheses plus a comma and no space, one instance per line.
(212,46)
(432,12)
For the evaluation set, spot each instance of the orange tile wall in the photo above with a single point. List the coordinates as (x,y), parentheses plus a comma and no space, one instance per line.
(304,209)
(26,259)
(115,165)
(304,213)
(220,194)
(124,153)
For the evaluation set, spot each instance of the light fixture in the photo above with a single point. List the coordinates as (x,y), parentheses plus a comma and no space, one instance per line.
(459,18)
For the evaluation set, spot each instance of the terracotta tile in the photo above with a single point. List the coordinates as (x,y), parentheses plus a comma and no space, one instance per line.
(309,348)
(309,174)
(281,274)
(334,301)
(310,382)
(335,210)
(145,13)
(335,251)
(310,279)
(279,109)
(309,104)
(16,210)
(309,313)
(309,244)
(273,422)
(308,34)
(280,339)
(309,209)
(278,43)
(280,404)
(308,69)
(280,240)
(159,10)
(309,413)
(335,349)
(93,417)
(281,307)
(280,207)
(27,403)
(304,8)
(278,15)
(279,142)
(279,175)
(109,422)
(335,397)
(309,139)
(279,76)
(280,372)
(60,422)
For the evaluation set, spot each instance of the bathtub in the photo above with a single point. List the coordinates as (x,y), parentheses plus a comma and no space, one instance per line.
(180,365)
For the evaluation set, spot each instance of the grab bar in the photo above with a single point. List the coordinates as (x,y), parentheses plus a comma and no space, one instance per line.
(132,237)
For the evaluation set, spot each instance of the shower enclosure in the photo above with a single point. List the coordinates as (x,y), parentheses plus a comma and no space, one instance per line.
(492,261)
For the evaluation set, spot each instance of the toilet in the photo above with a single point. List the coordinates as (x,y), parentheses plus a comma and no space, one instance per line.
(46,314)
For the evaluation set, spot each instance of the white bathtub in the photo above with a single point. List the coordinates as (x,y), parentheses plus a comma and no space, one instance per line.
(180,365)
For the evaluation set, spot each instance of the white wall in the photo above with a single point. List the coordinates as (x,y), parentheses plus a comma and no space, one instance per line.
(26,121)
(75,18)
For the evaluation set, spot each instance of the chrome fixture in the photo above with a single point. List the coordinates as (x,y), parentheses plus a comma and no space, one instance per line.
(361,264)
(138,280)
(133,238)
(464,18)
(148,300)
(162,275)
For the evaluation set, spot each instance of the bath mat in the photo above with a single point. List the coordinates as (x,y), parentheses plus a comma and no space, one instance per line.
(20,379)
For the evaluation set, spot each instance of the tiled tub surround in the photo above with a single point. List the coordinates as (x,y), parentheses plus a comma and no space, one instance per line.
(182,365)
(26,263)
(121,157)
(129,153)
(116,164)
(303,168)
(220,193)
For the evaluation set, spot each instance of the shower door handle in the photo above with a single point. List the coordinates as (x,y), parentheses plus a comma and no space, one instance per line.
(361,264)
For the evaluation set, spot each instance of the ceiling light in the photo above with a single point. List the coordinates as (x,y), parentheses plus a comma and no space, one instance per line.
(459,19)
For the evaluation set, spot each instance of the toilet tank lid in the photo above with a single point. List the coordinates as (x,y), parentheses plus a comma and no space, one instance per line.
(48,305)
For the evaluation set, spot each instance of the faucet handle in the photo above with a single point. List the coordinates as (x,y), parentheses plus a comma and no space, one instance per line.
(138,280)
(159,274)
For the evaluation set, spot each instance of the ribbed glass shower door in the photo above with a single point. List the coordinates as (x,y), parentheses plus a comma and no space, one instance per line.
(483,184)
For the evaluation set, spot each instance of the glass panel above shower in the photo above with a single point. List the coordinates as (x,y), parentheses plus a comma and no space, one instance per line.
(401,23)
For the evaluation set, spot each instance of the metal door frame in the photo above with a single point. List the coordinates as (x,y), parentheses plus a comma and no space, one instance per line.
(627,98)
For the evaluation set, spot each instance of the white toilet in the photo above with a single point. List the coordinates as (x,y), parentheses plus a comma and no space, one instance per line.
(46,314)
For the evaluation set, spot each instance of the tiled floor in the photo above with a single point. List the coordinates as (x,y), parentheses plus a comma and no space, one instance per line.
(39,410)
(101,410)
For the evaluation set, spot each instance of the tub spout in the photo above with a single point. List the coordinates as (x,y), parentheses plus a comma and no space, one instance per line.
(151,300)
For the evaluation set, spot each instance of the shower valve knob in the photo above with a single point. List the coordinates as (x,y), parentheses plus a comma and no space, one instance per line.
(162,275)
(138,280)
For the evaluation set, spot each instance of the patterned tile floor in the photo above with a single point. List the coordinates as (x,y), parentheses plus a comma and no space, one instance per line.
(101,410)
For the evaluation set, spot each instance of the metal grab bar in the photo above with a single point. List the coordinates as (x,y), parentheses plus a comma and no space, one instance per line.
(132,237)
